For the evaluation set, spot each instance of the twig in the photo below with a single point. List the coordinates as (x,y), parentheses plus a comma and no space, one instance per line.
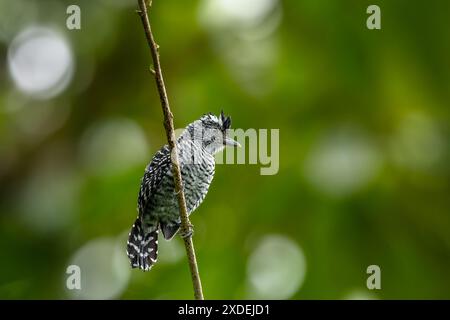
(168,124)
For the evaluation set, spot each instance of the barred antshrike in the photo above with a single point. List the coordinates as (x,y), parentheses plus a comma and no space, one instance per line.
(157,201)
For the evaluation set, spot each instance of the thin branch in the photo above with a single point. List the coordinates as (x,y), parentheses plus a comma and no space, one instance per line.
(186,227)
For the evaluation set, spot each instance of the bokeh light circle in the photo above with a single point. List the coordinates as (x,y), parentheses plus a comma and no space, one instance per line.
(236,12)
(342,162)
(113,146)
(276,268)
(104,269)
(40,62)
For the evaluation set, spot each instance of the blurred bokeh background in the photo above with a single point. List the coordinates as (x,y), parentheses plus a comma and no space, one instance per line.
(364,147)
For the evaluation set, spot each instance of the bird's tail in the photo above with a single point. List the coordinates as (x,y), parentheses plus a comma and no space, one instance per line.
(142,248)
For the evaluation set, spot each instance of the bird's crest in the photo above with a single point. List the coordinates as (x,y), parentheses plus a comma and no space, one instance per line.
(226,121)
(210,120)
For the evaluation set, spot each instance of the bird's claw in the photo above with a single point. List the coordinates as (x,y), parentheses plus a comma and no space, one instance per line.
(178,192)
(187,233)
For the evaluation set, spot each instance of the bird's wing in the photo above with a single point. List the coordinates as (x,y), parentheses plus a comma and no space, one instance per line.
(152,178)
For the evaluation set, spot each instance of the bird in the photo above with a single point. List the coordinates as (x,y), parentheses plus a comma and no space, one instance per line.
(157,203)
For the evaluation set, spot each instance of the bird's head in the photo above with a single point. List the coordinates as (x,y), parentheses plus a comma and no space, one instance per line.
(212,132)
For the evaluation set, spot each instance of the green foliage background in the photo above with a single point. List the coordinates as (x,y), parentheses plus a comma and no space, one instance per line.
(387,90)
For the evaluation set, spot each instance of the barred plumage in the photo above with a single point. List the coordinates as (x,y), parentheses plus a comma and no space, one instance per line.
(157,201)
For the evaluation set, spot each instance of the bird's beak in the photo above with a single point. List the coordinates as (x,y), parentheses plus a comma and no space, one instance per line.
(230,142)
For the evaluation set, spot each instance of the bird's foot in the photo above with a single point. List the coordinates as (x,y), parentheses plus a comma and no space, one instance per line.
(178,192)
(187,233)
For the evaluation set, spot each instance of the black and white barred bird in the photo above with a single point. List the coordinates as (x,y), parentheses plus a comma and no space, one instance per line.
(157,201)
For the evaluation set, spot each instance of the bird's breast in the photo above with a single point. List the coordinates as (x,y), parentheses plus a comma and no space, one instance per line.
(196,175)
